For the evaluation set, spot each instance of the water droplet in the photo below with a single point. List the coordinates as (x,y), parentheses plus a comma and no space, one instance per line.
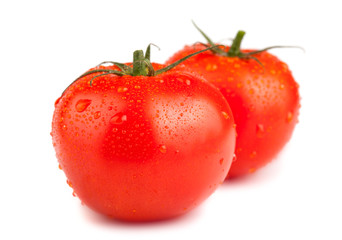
(57,101)
(289,117)
(188,82)
(211,67)
(162,149)
(281,86)
(97,115)
(260,130)
(82,104)
(118,118)
(122,89)
(253,154)
(221,161)
(234,157)
(64,127)
(225,115)
(69,183)
(114,129)
(74,194)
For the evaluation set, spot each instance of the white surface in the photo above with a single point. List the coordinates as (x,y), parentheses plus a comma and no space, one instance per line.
(44,45)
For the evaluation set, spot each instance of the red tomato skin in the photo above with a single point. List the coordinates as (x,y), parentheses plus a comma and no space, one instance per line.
(143,148)
(265,102)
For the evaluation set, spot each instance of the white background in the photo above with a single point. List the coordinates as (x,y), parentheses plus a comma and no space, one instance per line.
(44,45)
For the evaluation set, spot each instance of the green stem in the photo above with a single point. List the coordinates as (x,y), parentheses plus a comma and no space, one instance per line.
(234,50)
(139,65)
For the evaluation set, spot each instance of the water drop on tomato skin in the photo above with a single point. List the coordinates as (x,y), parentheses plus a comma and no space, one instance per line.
(69,183)
(82,105)
(97,115)
(57,101)
(225,115)
(162,148)
(122,89)
(118,118)
(260,129)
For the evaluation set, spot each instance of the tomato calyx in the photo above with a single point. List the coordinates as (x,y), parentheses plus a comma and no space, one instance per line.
(235,49)
(141,65)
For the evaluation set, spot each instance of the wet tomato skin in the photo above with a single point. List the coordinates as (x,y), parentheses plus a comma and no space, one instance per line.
(143,148)
(264,99)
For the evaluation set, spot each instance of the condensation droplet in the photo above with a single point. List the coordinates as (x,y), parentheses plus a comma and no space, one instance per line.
(64,127)
(118,118)
(253,154)
(122,89)
(97,115)
(225,115)
(57,101)
(162,149)
(114,129)
(234,157)
(188,82)
(82,105)
(221,161)
(260,130)
(69,183)
(281,86)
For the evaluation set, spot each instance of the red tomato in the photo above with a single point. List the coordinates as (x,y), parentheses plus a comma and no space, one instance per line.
(141,148)
(262,94)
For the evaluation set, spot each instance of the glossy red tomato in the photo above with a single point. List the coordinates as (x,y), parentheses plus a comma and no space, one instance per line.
(262,94)
(143,148)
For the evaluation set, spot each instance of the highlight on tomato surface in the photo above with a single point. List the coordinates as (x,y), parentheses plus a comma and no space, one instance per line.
(143,141)
(261,92)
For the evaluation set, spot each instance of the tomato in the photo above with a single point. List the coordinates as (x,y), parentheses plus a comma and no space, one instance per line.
(262,94)
(142,148)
